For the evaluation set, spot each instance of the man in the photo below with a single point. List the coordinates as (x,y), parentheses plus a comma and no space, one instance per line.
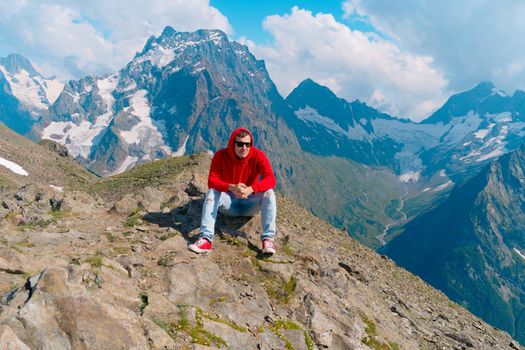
(240,183)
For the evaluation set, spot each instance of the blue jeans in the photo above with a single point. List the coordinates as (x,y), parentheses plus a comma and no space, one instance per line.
(227,204)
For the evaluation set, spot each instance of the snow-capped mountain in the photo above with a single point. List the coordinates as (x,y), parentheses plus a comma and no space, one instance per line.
(470,129)
(183,93)
(480,125)
(328,125)
(25,94)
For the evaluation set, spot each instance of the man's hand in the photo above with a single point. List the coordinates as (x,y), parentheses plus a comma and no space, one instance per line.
(246,190)
(240,190)
(235,189)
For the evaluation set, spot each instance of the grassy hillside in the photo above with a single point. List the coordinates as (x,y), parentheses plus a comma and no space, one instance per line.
(43,165)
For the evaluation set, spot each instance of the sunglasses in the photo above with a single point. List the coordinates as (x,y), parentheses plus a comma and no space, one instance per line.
(240,144)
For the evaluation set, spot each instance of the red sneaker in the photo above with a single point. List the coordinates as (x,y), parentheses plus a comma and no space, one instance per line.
(268,247)
(202,245)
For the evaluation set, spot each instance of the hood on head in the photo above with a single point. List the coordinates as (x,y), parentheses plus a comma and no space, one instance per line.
(231,147)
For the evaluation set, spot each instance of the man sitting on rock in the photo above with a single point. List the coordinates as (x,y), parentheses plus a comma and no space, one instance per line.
(241,183)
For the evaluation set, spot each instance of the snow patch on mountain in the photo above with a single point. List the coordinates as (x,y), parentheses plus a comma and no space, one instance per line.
(145,131)
(414,136)
(52,88)
(443,186)
(77,138)
(215,37)
(182,149)
(15,168)
(519,253)
(505,117)
(462,126)
(480,134)
(139,106)
(410,177)
(499,92)
(311,116)
(106,87)
(128,163)
(491,148)
(161,56)
(132,86)
(495,153)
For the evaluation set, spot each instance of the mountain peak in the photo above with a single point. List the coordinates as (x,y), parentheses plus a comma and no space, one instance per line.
(172,39)
(168,31)
(14,63)
(484,87)
(460,104)
(308,88)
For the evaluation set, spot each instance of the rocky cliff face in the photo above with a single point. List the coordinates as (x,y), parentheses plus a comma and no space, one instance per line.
(472,246)
(107,267)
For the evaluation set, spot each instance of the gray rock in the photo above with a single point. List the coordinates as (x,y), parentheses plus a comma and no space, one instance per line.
(58,315)
(9,340)
(188,283)
(152,199)
(157,337)
(198,186)
(269,341)
(234,339)
(296,337)
(127,204)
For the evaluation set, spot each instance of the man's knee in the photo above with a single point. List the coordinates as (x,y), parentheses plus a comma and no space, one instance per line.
(211,195)
(269,194)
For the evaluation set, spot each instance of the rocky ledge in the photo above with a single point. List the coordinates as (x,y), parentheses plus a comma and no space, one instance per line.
(109,269)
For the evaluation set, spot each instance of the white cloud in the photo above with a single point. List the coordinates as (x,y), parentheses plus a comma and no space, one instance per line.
(75,37)
(351,63)
(471,41)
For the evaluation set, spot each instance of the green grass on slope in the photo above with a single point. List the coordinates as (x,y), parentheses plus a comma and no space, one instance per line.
(43,165)
(155,174)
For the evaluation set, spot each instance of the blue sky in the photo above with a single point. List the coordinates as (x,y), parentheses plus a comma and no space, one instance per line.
(402,57)
(246,17)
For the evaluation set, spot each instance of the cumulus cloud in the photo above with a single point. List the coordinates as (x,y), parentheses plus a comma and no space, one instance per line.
(353,64)
(471,41)
(75,37)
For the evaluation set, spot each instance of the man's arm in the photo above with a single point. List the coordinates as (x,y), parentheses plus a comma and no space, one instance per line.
(215,177)
(267,180)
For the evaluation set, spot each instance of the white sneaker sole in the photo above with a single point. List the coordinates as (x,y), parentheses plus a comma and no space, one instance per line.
(198,250)
(269,251)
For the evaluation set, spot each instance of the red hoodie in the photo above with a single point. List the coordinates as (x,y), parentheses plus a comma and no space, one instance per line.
(254,170)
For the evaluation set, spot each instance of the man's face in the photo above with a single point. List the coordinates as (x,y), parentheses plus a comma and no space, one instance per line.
(242,146)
